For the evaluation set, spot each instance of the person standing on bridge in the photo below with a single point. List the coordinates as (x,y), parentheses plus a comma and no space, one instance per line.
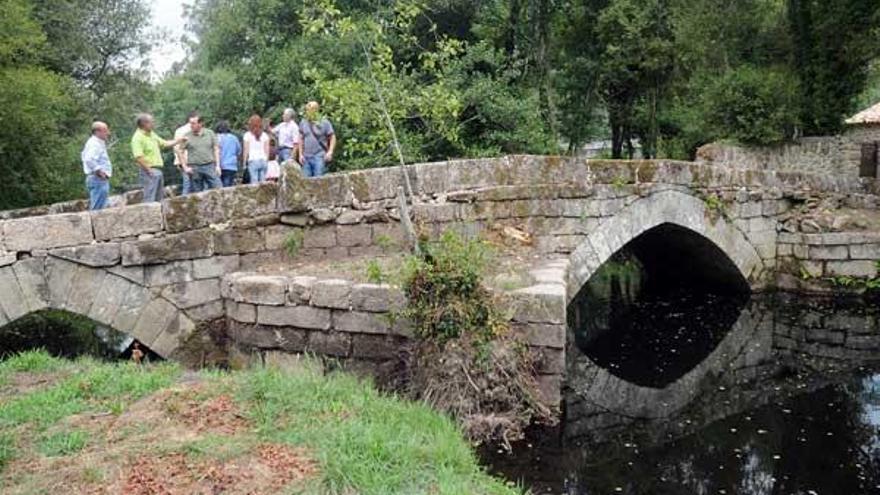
(146,148)
(256,149)
(316,141)
(287,136)
(230,154)
(97,167)
(180,152)
(201,158)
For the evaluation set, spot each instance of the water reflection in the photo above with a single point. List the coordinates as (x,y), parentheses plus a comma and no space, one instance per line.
(786,402)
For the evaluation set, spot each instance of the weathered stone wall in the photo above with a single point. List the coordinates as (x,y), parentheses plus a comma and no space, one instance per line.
(812,262)
(183,257)
(838,155)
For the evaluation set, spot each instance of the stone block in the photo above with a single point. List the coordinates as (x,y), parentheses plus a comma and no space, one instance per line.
(132,273)
(128,221)
(856,269)
(375,184)
(211,311)
(31,276)
(59,277)
(85,286)
(294,316)
(129,311)
(6,258)
(319,237)
(188,245)
(97,255)
(276,236)
(331,293)
(242,312)
(431,178)
(865,252)
(377,298)
(155,317)
(109,299)
(12,301)
(550,390)
(541,335)
(539,304)
(239,241)
(47,232)
(195,211)
(290,362)
(829,252)
(292,339)
(366,346)
(256,261)
(254,335)
(260,289)
(327,191)
(186,295)
(330,343)
(357,322)
(388,235)
(354,235)
(300,289)
(295,219)
(168,273)
(215,266)
(549,361)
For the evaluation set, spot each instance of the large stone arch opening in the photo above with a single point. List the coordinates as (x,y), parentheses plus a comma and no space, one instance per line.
(111,299)
(676,216)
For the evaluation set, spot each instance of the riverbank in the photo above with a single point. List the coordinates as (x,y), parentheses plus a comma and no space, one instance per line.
(92,427)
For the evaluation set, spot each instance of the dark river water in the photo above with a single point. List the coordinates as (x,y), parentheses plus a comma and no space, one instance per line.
(690,393)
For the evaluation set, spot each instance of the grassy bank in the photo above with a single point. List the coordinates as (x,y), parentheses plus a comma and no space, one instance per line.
(90,427)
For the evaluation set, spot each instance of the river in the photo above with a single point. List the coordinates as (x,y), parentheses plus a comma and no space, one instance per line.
(693,393)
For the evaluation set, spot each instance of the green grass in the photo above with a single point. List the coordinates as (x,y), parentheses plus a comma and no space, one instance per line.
(62,443)
(364,442)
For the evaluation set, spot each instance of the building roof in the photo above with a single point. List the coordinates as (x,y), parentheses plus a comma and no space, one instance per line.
(868,116)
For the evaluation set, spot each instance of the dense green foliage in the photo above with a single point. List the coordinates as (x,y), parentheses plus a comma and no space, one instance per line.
(451,78)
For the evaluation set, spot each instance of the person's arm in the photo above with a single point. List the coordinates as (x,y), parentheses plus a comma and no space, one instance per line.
(329,155)
(216,155)
(247,149)
(142,162)
(299,148)
(168,144)
(265,147)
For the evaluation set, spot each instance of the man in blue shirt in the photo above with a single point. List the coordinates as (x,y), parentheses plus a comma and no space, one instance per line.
(97,167)
(230,154)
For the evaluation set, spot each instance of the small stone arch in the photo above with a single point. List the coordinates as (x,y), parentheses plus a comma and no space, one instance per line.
(109,298)
(667,207)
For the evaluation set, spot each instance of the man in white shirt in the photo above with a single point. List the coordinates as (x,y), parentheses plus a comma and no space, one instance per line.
(286,136)
(180,155)
(97,167)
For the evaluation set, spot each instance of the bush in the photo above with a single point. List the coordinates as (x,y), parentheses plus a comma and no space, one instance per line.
(750,105)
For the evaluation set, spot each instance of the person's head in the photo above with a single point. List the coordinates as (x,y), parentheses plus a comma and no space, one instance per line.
(197,123)
(255,125)
(312,109)
(191,116)
(288,114)
(100,130)
(145,122)
(272,153)
(222,127)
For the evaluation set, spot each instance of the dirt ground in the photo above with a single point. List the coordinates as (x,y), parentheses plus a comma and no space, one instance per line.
(189,439)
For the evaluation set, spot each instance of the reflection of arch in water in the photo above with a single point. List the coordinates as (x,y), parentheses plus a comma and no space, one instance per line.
(665,208)
(595,393)
(110,299)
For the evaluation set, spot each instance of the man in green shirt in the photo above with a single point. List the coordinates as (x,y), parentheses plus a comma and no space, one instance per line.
(146,149)
(201,160)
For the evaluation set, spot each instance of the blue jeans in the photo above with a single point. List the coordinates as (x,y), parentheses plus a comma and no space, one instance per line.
(284,155)
(154,185)
(186,185)
(257,170)
(204,177)
(99,191)
(313,166)
(227,177)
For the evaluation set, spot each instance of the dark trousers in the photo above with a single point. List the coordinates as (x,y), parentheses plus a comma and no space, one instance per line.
(227,177)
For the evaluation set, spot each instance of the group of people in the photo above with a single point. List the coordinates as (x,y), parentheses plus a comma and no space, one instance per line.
(208,159)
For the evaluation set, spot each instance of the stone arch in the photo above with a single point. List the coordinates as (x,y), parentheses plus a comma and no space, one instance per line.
(109,297)
(667,207)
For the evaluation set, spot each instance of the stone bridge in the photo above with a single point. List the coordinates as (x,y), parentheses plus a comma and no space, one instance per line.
(156,271)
